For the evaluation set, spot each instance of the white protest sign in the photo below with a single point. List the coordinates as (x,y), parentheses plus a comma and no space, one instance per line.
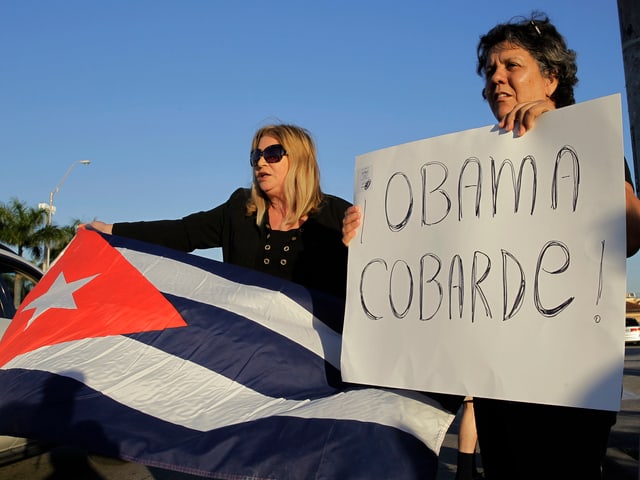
(494,266)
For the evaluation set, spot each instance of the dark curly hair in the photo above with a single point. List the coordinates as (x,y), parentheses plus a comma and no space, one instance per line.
(541,39)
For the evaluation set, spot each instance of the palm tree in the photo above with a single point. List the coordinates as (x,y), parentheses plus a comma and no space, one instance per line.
(26,229)
(68,232)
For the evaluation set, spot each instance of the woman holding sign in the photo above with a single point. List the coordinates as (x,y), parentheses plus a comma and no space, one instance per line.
(529,70)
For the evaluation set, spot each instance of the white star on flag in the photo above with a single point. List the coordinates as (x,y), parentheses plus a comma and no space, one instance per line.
(59,295)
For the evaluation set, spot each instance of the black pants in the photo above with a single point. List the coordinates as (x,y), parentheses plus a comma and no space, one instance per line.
(523,441)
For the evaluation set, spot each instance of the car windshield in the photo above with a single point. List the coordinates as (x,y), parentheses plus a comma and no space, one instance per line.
(14,286)
(632,322)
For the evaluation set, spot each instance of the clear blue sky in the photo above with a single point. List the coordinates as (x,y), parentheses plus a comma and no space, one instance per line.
(164,96)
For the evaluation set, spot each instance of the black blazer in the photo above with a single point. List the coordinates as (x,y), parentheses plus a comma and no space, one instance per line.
(322,264)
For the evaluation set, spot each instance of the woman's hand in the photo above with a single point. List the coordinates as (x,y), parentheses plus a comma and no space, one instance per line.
(525,115)
(350,224)
(98,225)
(633,220)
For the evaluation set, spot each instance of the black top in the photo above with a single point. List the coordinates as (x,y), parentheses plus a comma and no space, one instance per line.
(313,255)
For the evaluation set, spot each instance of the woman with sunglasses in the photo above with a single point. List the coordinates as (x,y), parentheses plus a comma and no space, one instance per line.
(283,225)
(529,70)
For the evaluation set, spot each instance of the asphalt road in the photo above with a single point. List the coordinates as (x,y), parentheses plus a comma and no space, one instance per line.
(67,464)
(624,442)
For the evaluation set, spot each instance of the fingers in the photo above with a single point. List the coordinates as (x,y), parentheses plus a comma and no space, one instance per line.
(101,226)
(524,115)
(633,220)
(350,224)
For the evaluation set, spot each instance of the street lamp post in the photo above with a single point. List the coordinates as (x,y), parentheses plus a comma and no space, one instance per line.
(50,208)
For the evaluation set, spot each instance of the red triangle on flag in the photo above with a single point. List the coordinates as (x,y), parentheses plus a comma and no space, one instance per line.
(91,291)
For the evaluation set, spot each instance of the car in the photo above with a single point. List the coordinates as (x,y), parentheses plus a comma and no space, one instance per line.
(17,277)
(632,330)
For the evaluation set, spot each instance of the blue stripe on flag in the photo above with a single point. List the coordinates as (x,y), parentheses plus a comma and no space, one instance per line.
(240,350)
(66,411)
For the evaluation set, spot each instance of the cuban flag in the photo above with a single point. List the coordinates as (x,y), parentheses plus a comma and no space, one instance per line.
(180,362)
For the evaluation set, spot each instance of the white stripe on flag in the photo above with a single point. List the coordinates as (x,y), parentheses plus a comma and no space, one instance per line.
(269,308)
(184,393)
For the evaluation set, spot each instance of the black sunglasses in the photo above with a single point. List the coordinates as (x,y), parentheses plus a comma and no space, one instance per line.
(271,154)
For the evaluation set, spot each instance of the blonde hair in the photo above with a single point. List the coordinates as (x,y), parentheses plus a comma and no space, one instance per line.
(302,183)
